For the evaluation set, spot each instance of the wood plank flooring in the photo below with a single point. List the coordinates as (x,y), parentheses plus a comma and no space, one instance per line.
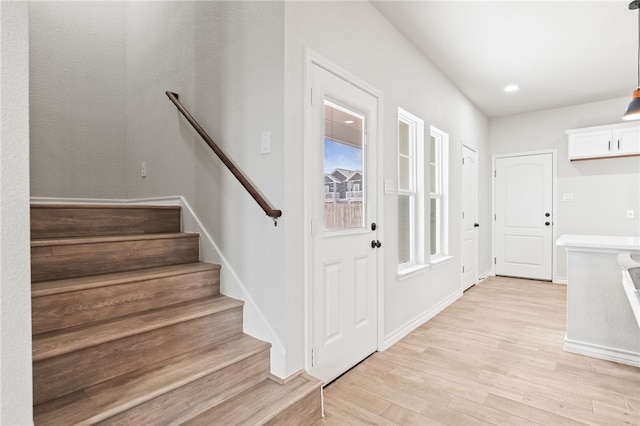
(493,357)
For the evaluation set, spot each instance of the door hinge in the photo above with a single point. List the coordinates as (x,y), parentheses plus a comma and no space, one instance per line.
(494,173)
(313,357)
(463,269)
(495,261)
(312,96)
(463,215)
(495,216)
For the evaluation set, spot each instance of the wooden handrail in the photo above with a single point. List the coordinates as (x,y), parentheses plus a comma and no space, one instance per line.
(270,211)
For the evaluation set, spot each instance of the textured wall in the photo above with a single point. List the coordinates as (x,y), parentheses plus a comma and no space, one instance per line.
(15,295)
(78,99)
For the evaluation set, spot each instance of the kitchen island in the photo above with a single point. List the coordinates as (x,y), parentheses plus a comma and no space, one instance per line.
(600,321)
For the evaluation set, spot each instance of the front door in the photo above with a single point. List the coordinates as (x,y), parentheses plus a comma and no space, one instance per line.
(523,239)
(469,217)
(345,242)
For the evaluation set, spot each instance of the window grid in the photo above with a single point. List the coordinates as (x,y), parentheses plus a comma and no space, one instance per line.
(438,171)
(410,184)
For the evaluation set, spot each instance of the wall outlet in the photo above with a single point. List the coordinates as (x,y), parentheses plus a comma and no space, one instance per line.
(631,214)
(143,169)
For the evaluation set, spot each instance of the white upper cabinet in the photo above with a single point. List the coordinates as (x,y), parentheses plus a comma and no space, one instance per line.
(614,140)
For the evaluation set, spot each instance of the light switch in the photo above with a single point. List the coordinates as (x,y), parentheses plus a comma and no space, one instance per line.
(265,143)
(567,196)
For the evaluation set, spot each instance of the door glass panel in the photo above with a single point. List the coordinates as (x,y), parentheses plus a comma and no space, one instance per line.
(344,174)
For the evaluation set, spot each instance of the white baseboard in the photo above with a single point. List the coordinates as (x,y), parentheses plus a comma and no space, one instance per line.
(254,322)
(164,201)
(560,280)
(602,352)
(484,276)
(401,332)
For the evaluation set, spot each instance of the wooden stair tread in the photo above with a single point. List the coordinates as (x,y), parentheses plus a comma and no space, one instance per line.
(46,242)
(60,342)
(48,288)
(101,401)
(260,403)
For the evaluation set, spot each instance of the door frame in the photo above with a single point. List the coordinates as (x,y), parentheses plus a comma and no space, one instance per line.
(311,59)
(554,201)
(477,219)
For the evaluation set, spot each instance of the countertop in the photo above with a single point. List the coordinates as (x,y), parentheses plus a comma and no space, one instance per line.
(606,242)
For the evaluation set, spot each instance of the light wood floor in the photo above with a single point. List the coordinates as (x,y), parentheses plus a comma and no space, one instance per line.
(493,357)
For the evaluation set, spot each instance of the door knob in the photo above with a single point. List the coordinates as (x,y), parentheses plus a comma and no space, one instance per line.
(476,225)
(547,223)
(374,226)
(375,244)
(547,214)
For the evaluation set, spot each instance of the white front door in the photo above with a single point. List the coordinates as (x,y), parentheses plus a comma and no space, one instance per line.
(469,217)
(523,236)
(344,240)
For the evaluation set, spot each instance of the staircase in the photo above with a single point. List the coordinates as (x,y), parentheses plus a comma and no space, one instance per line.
(129,327)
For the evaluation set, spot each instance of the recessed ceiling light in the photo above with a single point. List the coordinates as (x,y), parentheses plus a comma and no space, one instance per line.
(348,121)
(511,88)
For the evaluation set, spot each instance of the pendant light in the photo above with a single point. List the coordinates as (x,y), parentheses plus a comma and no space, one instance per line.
(633,110)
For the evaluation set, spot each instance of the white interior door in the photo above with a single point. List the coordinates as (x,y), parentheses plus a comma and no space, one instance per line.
(523,232)
(344,242)
(469,217)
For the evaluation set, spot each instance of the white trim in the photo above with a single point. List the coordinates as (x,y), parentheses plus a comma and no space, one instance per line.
(485,275)
(312,58)
(476,262)
(442,193)
(164,201)
(254,322)
(602,352)
(411,325)
(560,280)
(411,271)
(439,261)
(416,192)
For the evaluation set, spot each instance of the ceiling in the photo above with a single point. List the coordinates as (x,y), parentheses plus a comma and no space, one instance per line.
(559,53)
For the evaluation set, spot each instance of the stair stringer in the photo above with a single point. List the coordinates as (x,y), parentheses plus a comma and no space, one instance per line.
(254,322)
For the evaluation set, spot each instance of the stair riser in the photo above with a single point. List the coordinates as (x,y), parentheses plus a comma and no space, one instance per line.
(65,310)
(303,412)
(69,261)
(201,394)
(76,370)
(56,221)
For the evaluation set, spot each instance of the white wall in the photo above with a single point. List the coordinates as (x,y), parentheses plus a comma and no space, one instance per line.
(15,280)
(78,103)
(603,190)
(356,37)
(225,60)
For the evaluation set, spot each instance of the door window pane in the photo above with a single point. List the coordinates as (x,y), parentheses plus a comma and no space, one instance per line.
(343,168)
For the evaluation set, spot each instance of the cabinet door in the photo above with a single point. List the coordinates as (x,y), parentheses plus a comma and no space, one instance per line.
(627,141)
(592,144)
